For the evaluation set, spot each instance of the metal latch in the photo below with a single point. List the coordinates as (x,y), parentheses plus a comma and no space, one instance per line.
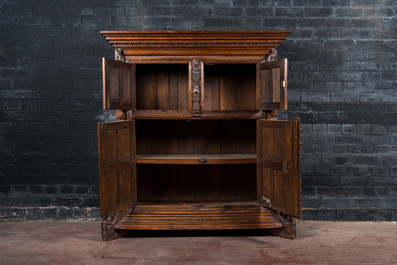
(282,84)
(203,160)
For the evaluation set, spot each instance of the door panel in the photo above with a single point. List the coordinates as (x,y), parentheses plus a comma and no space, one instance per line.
(271,86)
(117,166)
(278,165)
(119,85)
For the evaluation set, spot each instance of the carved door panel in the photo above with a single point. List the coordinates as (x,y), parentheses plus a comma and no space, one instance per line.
(117,166)
(119,85)
(278,154)
(271,85)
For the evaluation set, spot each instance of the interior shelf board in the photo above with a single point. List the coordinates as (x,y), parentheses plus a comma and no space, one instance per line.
(194,159)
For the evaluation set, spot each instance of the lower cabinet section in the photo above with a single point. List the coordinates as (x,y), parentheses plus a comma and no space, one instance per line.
(212,216)
(199,175)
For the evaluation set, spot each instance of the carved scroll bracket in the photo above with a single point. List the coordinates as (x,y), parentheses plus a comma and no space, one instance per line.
(119,55)
(288,222)
(272,55)
(108,223)
(196,72)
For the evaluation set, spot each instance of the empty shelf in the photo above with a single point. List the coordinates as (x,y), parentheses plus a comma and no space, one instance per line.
(193,159)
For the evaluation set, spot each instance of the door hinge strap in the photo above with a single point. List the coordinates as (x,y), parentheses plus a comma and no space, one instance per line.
(276,165)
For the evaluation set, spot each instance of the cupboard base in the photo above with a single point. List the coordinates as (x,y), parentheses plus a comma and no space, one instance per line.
(171,217)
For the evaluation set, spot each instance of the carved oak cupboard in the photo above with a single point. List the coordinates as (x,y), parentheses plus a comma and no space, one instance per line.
(196,144)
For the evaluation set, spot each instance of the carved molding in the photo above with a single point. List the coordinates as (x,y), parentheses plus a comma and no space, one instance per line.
(232,114)
(196,73)
(158,114)
(194,43)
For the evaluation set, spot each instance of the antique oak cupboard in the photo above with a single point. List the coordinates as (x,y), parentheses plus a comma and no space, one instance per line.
(196,144)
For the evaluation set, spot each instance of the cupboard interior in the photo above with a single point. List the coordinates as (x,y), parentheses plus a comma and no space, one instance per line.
(229,87)
(162,87)
(172,183)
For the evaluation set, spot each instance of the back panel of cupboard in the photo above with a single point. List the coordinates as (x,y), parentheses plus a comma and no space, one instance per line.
(196,137)
(196,183)
(162,87)
(229,87)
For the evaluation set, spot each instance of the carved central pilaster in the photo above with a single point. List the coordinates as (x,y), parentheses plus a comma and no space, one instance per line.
(196,86)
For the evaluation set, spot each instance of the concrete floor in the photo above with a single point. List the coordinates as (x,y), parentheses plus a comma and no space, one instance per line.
(56,242)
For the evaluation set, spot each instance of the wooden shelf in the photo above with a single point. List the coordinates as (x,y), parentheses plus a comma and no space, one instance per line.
(198,216)
(197,159)
(187,115)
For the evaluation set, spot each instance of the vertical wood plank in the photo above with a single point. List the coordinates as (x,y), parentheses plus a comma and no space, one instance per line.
(123,145)
(183,92)
(258,90)
(110,152)
(174,91)
(211,88)
(185,181)
(222,93)
(249,100)
(267,153)
(113,84)
(276,85)
(160,137)
(246,138)
(228,180)
(163,91)
(147,90)
(144,182)
(266,80)
(200,143)
(246,180)
(125,185)
(143,137)
(229,131)
(125,85)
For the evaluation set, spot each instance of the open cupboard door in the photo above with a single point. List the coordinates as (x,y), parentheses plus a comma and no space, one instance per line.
(271,85)
(117,166)
(119,85)
(279,165)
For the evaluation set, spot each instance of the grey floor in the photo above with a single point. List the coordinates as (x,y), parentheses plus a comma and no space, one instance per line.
(56,242)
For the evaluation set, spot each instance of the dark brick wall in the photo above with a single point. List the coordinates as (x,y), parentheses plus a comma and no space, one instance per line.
(342,83)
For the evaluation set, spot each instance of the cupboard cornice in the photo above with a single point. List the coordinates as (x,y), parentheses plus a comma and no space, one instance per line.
(208,46)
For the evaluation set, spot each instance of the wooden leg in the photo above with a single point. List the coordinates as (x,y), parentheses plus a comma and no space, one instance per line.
(289,223)
(108,224)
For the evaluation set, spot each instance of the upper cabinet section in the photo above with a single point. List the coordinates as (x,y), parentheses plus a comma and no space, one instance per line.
(207,46)
(195,74)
